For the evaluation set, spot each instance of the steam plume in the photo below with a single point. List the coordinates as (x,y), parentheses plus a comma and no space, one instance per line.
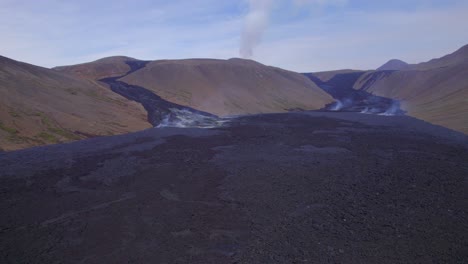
(257,20)
(255,24)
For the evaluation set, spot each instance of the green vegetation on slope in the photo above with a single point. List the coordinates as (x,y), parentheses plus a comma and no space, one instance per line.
(10,130)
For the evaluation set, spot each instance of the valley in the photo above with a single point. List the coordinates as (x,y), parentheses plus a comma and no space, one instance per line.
(340,86)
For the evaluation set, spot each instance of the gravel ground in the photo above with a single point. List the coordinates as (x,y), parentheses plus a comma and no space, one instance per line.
(307,187)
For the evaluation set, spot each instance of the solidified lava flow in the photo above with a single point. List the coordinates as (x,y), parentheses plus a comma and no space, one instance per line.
(161,113)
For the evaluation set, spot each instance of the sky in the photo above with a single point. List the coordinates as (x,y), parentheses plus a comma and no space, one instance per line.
(298,35)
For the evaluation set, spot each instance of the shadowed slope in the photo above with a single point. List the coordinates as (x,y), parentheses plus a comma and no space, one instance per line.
(325,76)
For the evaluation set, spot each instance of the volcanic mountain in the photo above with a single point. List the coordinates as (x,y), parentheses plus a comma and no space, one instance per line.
(458,57)
(111,95)
(339,84)
(295,187)
(434,91)
(221,87)
(394,65)
(41,106)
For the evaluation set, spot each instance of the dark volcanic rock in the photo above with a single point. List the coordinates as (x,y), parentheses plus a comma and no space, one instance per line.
(160,112)
(279,188)
(340,86)
(158,109)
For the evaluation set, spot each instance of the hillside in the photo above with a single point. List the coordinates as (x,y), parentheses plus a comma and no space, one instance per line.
(40,106)
(221,87)
(435,91)
(457,57)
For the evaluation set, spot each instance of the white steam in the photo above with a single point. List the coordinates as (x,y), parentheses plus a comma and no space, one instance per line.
(394,109)
(184,118)
(258,18)
(340,104)
(255,24)
(337,106)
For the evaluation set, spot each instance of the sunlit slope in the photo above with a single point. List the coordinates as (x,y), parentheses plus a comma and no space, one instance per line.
(40,106)
(437,95)
(102,68)
(226,87)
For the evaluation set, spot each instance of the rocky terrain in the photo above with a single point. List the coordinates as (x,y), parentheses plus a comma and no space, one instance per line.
(170,158)
(340,86)
(327,186)
(259,189)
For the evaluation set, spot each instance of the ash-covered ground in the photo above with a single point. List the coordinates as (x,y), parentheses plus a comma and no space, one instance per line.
(305,187)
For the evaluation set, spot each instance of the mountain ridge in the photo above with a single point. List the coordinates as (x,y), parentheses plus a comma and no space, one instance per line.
(222,87)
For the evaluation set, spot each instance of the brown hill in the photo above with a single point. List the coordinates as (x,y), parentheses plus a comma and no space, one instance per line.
(459,56)
(435,91)
(222,87)
(102,68)
(394,65)
(40,106)
(227,87)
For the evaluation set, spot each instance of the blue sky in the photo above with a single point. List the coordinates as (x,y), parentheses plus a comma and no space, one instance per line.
(300,35)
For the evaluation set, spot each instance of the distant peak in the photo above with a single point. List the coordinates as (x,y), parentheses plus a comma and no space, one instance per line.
(393,65)
(396,61)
